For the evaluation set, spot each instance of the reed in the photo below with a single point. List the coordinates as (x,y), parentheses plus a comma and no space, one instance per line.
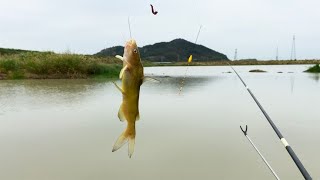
(48,65)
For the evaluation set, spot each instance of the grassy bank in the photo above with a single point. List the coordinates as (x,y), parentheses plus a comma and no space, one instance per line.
(21,64)
(48,65)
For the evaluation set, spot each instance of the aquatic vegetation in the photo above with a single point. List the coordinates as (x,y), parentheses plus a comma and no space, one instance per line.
(257,70)
(313,69)
(50,65)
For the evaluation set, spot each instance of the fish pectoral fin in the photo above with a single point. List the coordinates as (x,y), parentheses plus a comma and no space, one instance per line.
(119,88)
(122,71)
(121,114)
(151,79)
(119,57)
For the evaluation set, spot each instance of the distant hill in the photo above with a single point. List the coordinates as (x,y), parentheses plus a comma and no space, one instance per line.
(173,51)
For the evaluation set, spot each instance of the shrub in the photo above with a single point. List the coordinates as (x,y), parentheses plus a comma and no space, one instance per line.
(314,69)
(48,64)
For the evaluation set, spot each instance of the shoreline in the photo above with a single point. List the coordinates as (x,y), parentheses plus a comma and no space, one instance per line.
(48,65)
(243,62)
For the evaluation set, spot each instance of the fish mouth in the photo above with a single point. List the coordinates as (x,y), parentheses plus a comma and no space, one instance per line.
(131,43)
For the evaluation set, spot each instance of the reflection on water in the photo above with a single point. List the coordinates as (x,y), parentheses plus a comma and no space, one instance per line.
(314,76)
(292,83)
(65,129)
(190,83)
(41,93)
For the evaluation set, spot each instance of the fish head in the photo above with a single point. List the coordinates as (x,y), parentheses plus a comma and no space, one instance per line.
(131,52)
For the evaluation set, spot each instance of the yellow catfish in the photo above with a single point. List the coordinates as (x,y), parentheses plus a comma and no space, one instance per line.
(132,78)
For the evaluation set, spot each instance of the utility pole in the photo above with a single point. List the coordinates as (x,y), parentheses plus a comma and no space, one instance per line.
(293,49)
(235,54)
(277,54)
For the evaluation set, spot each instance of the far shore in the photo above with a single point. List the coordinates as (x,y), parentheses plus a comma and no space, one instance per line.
(240,62)
(48,65)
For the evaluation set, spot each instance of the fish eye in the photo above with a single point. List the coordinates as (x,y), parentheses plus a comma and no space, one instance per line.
(135,51)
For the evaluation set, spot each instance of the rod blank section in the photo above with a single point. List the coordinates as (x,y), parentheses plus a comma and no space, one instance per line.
(296,160)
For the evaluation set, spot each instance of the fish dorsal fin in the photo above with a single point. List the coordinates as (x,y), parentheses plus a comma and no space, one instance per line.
(122,71)
(121,114)
(150,79)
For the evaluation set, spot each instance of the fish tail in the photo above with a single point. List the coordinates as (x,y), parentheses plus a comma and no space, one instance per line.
(127,136)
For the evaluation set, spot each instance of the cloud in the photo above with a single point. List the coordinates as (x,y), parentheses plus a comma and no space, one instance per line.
(254,27)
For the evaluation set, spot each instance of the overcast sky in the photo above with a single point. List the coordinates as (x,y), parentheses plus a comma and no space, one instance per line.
(254,27)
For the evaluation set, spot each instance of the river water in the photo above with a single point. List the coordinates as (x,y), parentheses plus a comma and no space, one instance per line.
(65,129)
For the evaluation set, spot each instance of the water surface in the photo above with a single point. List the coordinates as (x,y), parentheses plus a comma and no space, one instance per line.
(65,129)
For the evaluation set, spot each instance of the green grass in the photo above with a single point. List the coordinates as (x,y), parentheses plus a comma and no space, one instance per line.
(6,51)
(50,65)
(313,69)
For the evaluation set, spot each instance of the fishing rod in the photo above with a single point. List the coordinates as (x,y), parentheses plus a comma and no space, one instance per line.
(189,60)
(293,155)
(245,132)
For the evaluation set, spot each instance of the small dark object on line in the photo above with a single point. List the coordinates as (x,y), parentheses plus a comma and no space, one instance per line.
(257,70)
(153,11)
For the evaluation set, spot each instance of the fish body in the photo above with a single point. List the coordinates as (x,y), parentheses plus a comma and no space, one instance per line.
(132,78)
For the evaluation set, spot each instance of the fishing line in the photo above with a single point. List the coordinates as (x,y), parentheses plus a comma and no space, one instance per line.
(129,26)
(124,38)
(294,157)
(195,43)
(189,60)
